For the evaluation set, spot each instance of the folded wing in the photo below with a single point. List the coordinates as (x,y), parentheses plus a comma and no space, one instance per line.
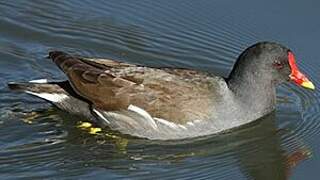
(174,95)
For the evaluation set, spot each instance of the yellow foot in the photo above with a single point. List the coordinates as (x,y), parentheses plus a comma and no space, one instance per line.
(84,125)
(87,126)
(94,130)
(30,117)
(120,142)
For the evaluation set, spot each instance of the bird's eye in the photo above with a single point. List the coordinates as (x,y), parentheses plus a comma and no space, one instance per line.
(277,64)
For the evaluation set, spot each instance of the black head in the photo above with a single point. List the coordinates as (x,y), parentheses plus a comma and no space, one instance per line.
(267,63)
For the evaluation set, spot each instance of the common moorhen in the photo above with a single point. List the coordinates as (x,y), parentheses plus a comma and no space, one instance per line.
(170,103)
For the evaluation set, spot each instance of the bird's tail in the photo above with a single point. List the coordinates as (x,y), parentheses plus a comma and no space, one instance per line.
(60,94)
(35,86)
(51,91)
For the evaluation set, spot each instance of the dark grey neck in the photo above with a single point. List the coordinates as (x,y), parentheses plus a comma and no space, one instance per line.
(252,84)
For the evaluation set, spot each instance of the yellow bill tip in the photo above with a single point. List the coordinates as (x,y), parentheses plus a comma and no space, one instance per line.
(308,85)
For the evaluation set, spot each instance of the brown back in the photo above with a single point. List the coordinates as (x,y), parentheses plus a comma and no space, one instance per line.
(177,95)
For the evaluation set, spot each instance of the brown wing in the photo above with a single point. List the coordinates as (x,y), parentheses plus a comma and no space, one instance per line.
(175,95)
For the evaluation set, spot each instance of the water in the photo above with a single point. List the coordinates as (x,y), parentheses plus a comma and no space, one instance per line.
(39,141)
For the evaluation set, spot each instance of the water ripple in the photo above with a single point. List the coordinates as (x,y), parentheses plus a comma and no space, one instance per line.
(160,33)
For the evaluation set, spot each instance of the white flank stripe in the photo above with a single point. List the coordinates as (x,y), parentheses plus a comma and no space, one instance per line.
(190,123)
(197,121)
(39,81)
(53,97)
(101,116)
(182,126)
(167,123)
(144,114)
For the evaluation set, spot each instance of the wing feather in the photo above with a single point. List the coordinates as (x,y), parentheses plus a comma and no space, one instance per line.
(176,95)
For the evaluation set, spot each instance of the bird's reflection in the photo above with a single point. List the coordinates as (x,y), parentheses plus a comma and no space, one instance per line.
(257,150)
(266,157)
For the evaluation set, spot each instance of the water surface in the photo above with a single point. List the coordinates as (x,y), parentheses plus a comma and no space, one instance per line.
(39,141)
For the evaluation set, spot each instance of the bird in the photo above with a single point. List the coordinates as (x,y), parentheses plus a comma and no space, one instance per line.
(169,103)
